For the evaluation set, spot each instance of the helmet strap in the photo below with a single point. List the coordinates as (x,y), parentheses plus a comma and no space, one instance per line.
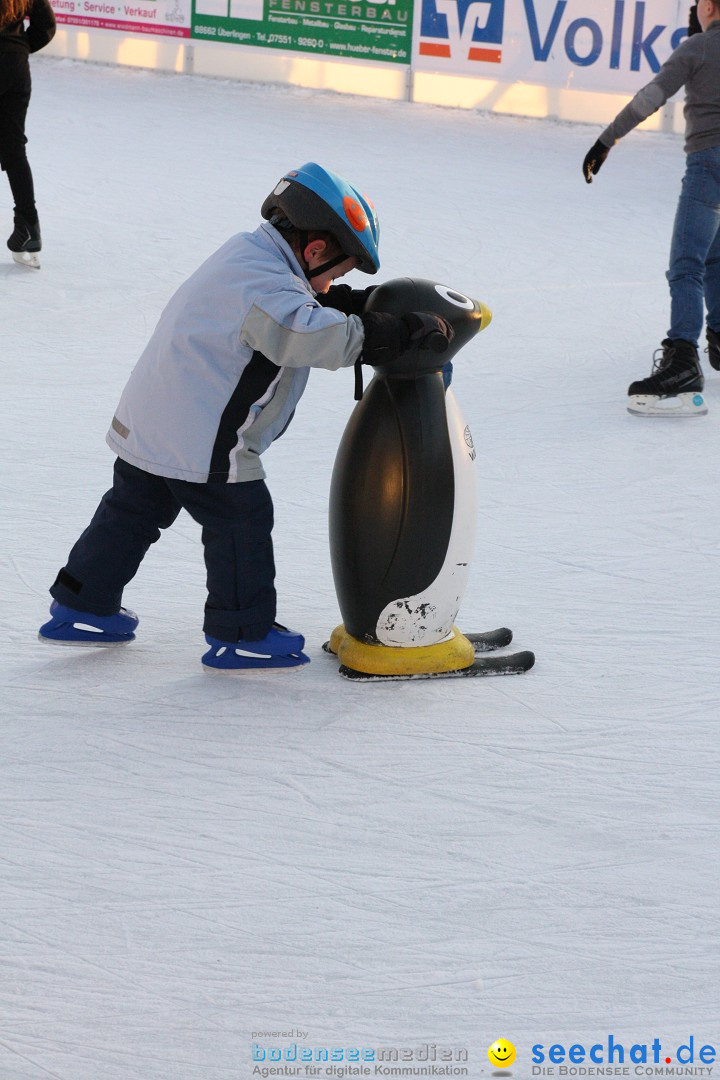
(327,266)
(322,269)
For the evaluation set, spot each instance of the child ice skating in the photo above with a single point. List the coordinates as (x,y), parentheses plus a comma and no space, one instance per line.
(218,382)
(676,384)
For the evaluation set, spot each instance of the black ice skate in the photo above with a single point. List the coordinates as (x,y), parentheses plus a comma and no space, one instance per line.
(675,386)
(25,242)
(713,349)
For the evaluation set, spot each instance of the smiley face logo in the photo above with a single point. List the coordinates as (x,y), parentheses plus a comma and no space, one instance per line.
(501,1053)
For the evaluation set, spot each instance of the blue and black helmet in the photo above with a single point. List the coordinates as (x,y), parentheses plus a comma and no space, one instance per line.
(312,197)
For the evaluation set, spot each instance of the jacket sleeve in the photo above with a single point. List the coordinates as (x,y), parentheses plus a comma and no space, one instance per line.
(42,26)
(674,73)
(305,335)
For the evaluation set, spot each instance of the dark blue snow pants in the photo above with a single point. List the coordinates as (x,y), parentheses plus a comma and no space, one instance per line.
(236,520)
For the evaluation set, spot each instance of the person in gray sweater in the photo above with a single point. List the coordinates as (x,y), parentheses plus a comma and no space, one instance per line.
(676,384)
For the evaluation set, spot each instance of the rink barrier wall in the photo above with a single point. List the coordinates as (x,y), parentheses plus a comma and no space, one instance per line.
(350,76)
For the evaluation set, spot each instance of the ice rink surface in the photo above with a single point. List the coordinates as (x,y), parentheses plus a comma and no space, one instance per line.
(188,860)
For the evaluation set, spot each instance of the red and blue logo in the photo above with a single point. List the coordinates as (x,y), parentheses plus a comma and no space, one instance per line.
(463,29)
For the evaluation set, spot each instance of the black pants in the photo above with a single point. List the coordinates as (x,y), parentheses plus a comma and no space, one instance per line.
(236,520)
(15,89)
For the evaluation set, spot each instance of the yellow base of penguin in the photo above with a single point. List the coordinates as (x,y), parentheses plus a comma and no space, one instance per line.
(452,655)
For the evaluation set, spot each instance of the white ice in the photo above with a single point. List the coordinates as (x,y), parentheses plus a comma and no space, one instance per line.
(188,860)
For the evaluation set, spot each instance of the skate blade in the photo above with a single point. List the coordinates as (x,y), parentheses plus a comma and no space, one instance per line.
(680,405)
(243,673)
(27,258)
(84,644)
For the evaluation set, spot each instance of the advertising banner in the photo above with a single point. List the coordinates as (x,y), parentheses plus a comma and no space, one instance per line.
(371,31)
(614,46)
(605,46)
(171,18)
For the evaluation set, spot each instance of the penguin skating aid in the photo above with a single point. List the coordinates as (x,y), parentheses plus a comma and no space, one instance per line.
(403,512)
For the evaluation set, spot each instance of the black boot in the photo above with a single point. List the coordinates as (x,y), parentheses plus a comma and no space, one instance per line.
(676,371)
(25,236)
(713,349)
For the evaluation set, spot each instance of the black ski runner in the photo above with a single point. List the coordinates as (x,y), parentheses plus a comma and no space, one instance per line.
(510,664)
(489,640)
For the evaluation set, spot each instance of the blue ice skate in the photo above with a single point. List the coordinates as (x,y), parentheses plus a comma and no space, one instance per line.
(70,627)
(280,649)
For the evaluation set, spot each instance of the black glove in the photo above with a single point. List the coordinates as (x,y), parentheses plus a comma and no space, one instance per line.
(428,331)
(346,299)
(694,26)
(392,344)
(593,161)
(387,336)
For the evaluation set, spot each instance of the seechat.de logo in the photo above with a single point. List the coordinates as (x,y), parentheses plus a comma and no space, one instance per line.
(462,29)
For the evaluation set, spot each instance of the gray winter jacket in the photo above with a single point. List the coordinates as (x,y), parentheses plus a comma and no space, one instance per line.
(227,364)
(695,64)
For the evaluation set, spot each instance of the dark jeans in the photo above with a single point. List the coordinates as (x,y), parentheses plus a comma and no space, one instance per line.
(15,88)
(694,272)
(236,520)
